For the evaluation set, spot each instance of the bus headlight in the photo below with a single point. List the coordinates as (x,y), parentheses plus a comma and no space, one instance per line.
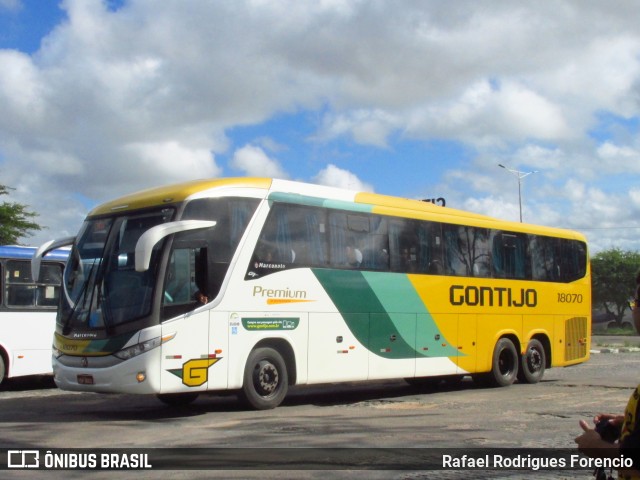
(138,349)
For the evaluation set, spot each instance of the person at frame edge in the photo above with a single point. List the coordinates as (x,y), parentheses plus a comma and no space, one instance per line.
(592,443)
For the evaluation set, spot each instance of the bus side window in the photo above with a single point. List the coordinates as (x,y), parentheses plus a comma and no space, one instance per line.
(186,276)
(403,245)
(20,290)
(48,288)
(430,256)
(510,256)
(467,251)
(543,255)
(343,251)
(572,260)
(177,285)
(376,244)
(292,237)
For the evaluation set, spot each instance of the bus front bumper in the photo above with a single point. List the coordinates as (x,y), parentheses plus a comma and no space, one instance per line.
(130,376)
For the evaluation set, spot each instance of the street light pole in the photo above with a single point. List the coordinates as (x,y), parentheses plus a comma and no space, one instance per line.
(519,175)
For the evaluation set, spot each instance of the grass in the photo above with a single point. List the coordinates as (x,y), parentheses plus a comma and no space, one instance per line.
(603,330)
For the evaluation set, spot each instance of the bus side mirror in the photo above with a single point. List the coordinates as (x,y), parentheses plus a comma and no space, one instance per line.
(43,250)
(151,237)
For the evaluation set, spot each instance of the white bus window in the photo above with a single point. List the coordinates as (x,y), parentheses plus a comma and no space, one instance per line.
(20,290)
(23,292)
(48,288)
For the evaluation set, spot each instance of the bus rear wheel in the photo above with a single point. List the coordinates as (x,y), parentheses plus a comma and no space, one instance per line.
(266,380)
(504,367)
(532,363)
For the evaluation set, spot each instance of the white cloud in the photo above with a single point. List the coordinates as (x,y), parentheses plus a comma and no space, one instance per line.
(172,160)
(620,159)
(488,114)
(254,162)
(493,206)
(21,94)
(333,176)
(526,113)
(366,127)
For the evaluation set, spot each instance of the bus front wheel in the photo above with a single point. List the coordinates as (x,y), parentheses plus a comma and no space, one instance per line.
(504,367)
(265,379)
(532,363)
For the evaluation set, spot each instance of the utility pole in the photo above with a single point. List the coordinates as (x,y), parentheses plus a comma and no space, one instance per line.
(519,175)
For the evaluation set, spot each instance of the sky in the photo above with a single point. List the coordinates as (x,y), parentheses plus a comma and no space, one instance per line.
(409,98)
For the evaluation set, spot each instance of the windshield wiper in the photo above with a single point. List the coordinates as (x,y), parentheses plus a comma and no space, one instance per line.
(81,298)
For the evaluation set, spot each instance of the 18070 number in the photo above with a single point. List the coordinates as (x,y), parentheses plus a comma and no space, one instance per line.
(570,298)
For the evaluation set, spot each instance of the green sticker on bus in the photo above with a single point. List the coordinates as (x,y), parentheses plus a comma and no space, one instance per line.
(270,323)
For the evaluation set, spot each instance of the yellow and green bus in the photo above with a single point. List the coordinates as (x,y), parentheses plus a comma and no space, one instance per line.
(255,284)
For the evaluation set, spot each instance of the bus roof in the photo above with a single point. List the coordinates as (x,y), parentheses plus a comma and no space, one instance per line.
(19,252)
(175,193)
(311,194)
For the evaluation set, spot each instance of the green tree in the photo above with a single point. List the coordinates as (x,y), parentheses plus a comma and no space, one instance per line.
(613,279)
(15,220)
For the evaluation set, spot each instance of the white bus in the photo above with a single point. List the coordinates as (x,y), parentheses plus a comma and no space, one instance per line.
(256,284)
(27,311)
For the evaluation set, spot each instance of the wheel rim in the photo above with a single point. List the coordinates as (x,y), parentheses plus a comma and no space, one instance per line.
(266,378)
(534,360)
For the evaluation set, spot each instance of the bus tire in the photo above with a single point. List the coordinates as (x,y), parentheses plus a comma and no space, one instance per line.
(532,363)
(504,366)
(265,379)
(177,399)
(3,367)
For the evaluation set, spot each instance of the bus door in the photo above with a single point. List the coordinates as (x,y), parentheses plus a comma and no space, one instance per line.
(185,359)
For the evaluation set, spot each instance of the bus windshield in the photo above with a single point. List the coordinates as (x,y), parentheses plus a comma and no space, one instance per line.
(102,289)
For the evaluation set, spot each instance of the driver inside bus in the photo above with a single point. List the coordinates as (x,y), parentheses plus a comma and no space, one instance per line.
(201,297)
